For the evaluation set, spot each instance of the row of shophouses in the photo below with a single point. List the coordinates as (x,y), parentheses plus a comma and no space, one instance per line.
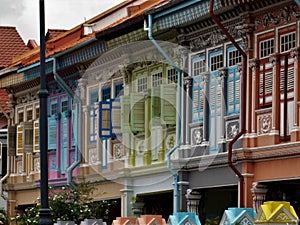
(152,100)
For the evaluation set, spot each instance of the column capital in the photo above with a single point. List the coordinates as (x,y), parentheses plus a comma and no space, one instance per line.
(259,195)
(222,74)
(295,52)
(274,59)
(253,63)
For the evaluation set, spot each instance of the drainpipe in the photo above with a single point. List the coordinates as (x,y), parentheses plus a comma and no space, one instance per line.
(169,154)
(243,100)
(77,100)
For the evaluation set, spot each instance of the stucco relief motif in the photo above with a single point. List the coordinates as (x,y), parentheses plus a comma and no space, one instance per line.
(232,129)
(270,18)
(197,136)
(118,151)
(264,123)
(93,156)
(36,165)
(140,147)
(20,167)
(170,141)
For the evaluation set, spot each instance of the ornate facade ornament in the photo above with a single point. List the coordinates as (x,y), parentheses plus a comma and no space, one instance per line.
(254,64)
(264,123)
(197,136)
(295,52)
(244,31)
(286,14)
(274,59)
(232,129)
(259,195)
(222,74)
(188,82)
(193,200)
(118,151)
(205,77)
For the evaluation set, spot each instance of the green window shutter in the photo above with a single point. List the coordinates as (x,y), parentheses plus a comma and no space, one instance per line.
(168,103)
(116,116)
(125,113)
(155,105)
(137,112)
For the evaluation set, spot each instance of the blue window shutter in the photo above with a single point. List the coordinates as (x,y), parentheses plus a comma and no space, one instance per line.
(233,91)
(52,132)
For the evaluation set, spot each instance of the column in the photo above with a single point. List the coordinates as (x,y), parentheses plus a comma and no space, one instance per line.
(275,60)
(193,200)
(253,100)
(147,155)
(295,134)
(259,195)
(222,80)
(189,107)
(205,79)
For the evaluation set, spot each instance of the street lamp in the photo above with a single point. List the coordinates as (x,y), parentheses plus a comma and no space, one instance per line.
(45,216)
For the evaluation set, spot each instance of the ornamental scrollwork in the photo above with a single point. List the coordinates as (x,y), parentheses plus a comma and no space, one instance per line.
(264,123)
(286,14)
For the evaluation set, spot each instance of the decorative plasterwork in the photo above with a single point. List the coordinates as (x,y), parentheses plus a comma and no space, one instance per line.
(264,123)
(271,18)
(232,129)
(197,135)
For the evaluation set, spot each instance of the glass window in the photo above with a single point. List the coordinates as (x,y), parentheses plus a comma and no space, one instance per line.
(119,90)
(105,93)
(172,75)
(199,66)
(287,42)
(216,62)
(64,106)
(142,84)
(266,48)
(235,57)
(53,108)
(29,114)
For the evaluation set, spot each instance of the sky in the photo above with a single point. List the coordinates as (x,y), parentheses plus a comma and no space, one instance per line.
(59,14)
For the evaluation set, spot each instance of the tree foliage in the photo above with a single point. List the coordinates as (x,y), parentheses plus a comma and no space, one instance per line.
(68,203)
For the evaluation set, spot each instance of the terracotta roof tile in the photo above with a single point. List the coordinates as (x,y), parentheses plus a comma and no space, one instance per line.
(73,37)
(51,33)
(31,44)
(4,99)
(11,44)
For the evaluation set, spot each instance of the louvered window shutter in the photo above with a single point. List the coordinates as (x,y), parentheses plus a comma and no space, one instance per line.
(20,139)
(28,136)
(116,116)
(125,113)
(36,147)
(155,104)
(12,140)
(168,103)
(105,119)
(137,112)
(52,132)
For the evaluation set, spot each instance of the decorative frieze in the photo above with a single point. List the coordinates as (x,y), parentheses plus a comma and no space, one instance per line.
(272,18)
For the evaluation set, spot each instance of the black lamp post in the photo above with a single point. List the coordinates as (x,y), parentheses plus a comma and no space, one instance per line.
(45,216)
